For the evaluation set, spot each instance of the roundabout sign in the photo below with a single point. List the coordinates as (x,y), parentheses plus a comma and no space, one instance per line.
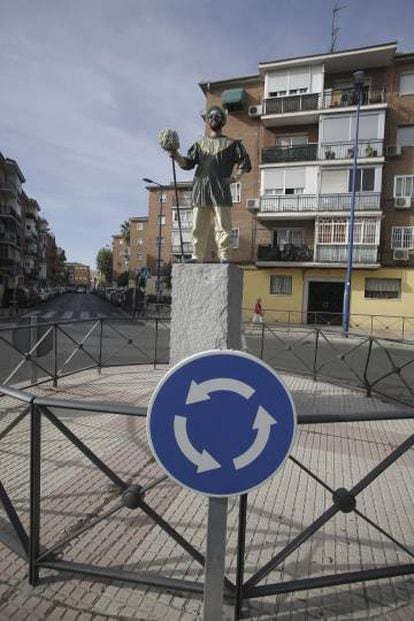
(221,423)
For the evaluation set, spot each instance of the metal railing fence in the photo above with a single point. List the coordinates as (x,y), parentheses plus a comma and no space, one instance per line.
(41,353)
(132,495)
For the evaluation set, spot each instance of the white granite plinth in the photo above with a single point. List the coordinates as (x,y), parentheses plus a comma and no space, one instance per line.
(206,308)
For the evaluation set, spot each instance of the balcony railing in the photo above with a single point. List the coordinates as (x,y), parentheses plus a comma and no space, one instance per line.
(187,247)
(185,226)
(9,237)
(295,153)
(288,203)
(321,101)
(8,188)
(345,150)
(286,253)
(339,254)
(364,201)
(310,203)
(7,210)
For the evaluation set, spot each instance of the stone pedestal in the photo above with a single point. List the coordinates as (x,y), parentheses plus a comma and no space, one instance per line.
(206,310)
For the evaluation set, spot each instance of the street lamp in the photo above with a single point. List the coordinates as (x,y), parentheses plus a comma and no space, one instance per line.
(358,83)
(161,187)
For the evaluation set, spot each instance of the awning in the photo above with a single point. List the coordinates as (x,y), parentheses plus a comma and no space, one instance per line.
(233,99)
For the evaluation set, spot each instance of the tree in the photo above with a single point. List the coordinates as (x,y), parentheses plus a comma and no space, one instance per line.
(104,263)
(126,231)
(123,279)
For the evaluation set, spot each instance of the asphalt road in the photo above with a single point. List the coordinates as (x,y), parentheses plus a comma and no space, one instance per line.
(83,318)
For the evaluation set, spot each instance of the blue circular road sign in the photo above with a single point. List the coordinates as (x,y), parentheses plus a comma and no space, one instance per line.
(221,422)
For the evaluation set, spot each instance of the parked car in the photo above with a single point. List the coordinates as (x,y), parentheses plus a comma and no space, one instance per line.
(44,295)
(81,290)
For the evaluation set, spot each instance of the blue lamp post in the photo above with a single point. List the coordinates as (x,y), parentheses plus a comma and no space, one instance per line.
(161,187)
(358,81)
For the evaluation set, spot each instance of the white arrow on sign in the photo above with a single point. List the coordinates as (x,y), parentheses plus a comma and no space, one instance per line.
(204,461)
(200,392)
(263,423)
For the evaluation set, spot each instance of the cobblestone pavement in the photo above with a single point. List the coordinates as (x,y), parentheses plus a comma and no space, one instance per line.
(75,493)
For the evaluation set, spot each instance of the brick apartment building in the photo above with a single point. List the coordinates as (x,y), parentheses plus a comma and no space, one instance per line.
(29,256)
(297,118)
(78,274)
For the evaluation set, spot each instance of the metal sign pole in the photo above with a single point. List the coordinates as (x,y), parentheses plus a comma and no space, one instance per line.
(215,559)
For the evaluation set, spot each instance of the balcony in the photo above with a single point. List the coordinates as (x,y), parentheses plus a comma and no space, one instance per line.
(185,225)
(306,107)
(364,201)
(366,255)
(288,203)
(289,253)
(8,189)
(187,247)
(325,254)
(8,237)
(292,103)
(326,151)
(8,211)
(345,150)
(296,153)
(302,204)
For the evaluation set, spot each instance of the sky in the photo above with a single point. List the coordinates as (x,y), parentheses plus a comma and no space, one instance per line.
(87,85)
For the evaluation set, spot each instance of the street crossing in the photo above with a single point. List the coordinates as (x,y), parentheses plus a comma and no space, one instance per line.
(57,315)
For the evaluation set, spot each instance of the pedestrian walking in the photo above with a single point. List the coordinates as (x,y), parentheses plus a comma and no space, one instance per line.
(258,311)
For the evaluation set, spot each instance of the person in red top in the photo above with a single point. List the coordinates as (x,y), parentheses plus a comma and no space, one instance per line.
(258,311)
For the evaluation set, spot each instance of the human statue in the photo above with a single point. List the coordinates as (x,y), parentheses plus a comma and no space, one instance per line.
(219,161)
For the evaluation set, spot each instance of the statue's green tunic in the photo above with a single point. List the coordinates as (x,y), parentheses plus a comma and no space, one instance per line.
(215,158)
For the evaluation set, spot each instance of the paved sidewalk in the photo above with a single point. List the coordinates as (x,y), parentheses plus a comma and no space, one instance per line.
(74,493)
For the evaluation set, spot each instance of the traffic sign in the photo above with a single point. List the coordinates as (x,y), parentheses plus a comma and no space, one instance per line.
(221,422)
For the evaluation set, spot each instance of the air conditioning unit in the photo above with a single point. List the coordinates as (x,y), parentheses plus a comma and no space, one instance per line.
(253,204)
(255,111)
(400,254)
(402,202)
(392,150)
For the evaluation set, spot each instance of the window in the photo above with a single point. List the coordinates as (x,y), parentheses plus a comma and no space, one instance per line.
(281,285)
(407,84)
(365,180)
(235,189)
(161,220)
(291,140)
(235,238)
(402,237)
(383,288)
(335,231)
(284,181)
(140,226)
(160,241)
(163,197)
(140,242)
(140,256)
(281,237)
(405,135)
(403,185)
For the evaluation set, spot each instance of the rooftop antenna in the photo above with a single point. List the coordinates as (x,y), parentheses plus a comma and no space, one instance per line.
(335,29)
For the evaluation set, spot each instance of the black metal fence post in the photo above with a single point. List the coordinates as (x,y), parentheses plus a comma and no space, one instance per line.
(262,342)
(55,357)
(35,452)
(366,381)
(100,346)
(315,357)
(156,342)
